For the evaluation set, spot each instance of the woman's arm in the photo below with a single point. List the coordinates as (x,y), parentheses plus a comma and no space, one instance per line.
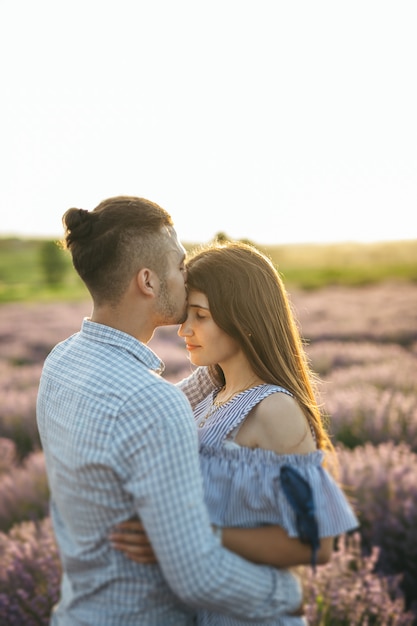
(290,434)
(267,545)
(271,545)
(130,538)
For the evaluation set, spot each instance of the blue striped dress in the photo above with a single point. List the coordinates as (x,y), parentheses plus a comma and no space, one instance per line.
(242,485)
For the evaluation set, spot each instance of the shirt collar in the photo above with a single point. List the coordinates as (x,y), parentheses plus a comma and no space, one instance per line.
(120,339)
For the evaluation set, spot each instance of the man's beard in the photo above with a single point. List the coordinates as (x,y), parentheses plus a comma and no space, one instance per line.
(168,308)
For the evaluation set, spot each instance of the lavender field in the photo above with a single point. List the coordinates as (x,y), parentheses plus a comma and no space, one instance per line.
(363,344)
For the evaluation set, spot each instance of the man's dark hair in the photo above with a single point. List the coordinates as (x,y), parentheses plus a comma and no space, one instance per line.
(111,243)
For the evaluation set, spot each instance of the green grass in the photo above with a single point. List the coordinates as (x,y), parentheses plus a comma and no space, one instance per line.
(22,277)
(307,266)
(313,266)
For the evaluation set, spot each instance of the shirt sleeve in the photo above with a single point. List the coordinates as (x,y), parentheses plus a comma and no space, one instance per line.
(333,511)
(254,475)
(162,474)
(197,386)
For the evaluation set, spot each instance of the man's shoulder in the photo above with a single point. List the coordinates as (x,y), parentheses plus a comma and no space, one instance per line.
(159,390)
(155,408)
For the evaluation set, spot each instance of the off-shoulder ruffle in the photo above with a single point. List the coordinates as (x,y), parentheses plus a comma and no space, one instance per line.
(243,488)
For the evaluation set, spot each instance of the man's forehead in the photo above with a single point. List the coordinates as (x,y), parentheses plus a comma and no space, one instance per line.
(174,245)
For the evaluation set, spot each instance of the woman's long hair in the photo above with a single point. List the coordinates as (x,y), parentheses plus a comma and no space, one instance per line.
(248,301)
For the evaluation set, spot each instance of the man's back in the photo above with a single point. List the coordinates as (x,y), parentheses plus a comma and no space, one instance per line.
(97,405)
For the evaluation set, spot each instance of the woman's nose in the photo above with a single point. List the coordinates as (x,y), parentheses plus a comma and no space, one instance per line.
(184,330)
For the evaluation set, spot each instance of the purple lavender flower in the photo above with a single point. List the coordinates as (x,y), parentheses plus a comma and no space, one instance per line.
(7,455)
(29,575)
(383,483)
(363,343)
(348,591)
(24,492)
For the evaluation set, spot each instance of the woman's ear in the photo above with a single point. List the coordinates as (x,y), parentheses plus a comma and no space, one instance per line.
(146,281)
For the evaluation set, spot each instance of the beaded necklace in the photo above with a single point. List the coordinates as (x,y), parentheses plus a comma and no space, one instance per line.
(216,404)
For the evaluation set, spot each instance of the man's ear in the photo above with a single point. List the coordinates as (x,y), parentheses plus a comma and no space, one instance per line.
(147,281)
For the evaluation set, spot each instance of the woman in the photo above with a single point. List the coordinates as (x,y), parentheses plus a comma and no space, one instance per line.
(255,407)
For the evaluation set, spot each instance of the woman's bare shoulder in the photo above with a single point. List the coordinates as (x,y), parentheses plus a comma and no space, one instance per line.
(282,426)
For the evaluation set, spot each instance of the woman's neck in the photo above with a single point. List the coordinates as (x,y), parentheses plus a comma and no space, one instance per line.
(238,378)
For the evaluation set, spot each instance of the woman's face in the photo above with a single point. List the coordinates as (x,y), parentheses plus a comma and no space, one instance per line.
(206,343)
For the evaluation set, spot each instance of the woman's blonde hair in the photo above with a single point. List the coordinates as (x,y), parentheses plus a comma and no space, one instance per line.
(249,302)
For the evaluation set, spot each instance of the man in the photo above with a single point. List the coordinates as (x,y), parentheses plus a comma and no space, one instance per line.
(120,442)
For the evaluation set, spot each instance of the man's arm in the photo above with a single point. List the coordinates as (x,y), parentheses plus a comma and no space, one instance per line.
(170,504)
(197,386)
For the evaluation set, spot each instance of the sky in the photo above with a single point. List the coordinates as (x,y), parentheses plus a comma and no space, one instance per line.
(288,121)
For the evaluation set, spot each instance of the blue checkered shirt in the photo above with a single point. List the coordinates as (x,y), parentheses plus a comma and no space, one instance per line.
(120,441)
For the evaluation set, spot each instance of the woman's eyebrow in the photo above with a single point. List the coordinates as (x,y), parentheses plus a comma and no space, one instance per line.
(198,306)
